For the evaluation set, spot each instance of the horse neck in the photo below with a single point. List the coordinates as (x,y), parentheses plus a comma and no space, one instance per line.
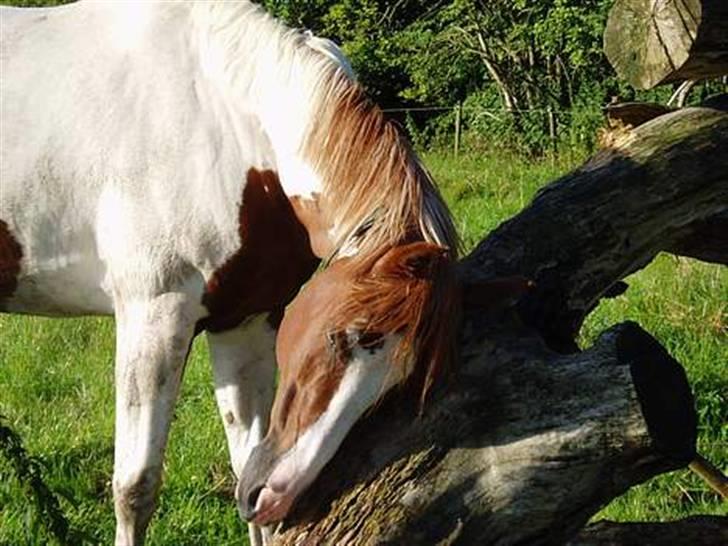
(330,142)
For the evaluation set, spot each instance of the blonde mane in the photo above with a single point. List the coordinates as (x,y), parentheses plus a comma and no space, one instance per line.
(372,179)
(380,197)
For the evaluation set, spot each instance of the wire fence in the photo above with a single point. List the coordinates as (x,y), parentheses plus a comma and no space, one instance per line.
(552,122)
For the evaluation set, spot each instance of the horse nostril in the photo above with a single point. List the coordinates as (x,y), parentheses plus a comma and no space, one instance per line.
(253,497)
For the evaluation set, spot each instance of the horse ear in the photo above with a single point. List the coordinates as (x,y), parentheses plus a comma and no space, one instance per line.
(417,260)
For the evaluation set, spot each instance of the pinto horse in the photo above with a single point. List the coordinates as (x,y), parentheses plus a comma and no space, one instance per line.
(184,166)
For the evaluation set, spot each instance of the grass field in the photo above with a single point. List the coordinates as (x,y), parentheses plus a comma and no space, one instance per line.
(56,388)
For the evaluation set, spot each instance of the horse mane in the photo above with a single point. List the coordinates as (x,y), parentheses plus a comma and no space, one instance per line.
(380,196)
(372,179)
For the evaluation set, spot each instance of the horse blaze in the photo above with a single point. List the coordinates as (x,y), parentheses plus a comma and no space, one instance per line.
(10,256)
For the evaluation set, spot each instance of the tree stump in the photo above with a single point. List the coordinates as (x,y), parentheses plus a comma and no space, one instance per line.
(651,42)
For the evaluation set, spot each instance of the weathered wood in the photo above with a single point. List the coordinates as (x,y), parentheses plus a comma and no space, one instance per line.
(663,188)
(695,531)
(622,117)
(526,444)
(651,42)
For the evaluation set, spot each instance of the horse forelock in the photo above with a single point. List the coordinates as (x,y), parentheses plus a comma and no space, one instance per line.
(421,310)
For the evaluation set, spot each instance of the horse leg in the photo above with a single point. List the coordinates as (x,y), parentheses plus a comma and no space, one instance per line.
(152,341)
(244,368)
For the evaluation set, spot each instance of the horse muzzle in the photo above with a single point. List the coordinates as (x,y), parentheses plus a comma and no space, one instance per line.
(252,481)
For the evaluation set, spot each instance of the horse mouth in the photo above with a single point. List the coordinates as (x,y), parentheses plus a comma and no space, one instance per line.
(271,506)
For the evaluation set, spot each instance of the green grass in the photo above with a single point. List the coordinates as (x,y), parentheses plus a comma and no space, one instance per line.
(56,387)
(57,393)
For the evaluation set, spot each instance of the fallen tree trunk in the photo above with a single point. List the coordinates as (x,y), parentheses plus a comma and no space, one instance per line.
(518,452)
(652,42)
(527,443)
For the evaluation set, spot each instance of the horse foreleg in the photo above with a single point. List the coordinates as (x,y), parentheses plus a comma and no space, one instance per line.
(152,338)
(244,369)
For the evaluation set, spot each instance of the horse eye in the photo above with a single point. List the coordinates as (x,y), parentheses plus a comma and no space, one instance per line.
(339,345)
(371,340)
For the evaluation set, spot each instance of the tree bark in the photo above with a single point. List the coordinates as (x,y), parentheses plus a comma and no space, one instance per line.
(652,42)
(526,443)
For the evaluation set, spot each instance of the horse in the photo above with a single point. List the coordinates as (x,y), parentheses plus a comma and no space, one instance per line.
(186,167)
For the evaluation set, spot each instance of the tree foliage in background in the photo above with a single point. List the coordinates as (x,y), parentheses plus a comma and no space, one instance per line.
(520,58)
(521,68)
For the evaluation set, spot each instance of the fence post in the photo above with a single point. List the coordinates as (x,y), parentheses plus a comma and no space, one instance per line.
(552,127)
(458,126)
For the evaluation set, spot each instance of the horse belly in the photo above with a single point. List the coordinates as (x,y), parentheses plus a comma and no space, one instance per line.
(43,279)
(60,294)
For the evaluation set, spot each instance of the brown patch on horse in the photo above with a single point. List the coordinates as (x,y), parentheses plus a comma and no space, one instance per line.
(409,290)
(275,258)
(10,255)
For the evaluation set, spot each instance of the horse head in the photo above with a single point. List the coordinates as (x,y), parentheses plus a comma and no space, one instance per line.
(355,332)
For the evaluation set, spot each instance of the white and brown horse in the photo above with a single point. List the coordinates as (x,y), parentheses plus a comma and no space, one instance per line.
(183,166)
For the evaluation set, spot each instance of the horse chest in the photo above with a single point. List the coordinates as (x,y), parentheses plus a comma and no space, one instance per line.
(274,259)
